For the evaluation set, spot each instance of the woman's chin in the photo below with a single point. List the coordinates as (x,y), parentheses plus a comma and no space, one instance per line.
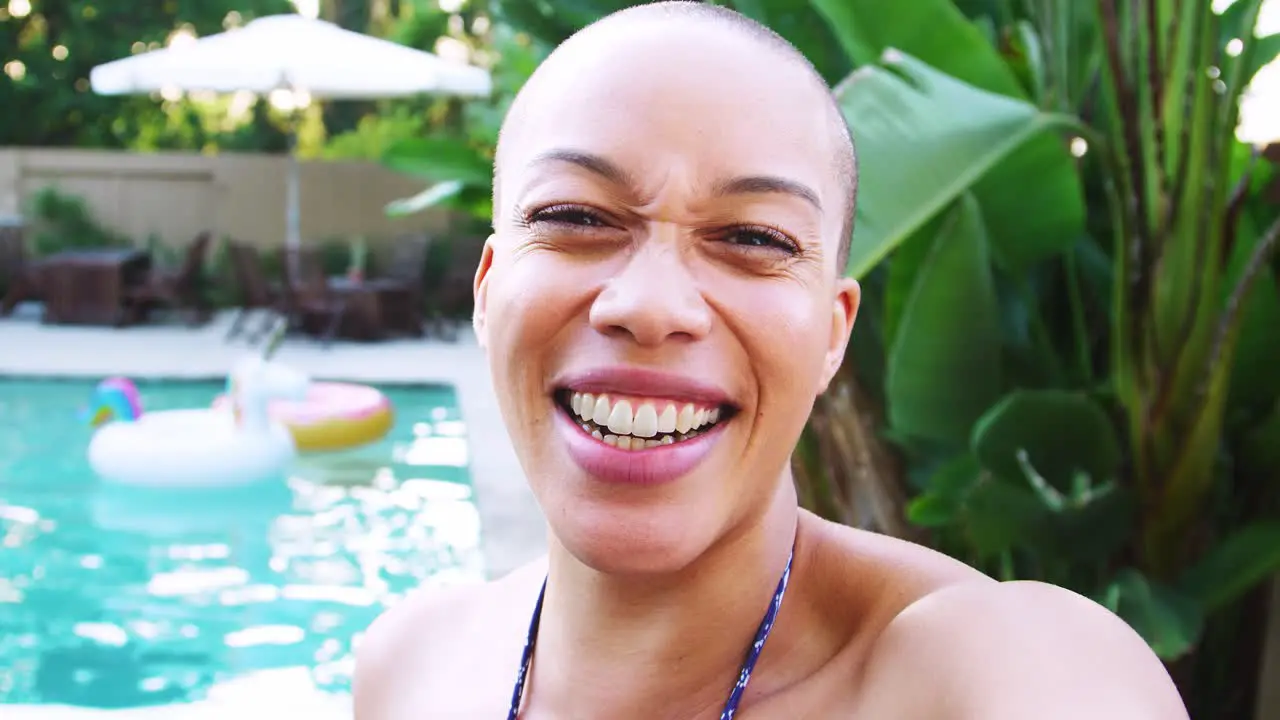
(624,543)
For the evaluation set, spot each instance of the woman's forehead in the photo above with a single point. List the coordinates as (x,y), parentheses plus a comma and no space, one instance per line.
(720,103)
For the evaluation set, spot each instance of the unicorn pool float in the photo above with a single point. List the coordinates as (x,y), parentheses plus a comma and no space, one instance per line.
(234,445)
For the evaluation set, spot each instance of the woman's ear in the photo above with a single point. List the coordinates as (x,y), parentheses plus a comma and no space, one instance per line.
(480,292)
(844,311)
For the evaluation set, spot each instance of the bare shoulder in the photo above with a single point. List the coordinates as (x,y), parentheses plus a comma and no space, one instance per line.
(434,637)
(1015,650)
(991,650)
(884,571)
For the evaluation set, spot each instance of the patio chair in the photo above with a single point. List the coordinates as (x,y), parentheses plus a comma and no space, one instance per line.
(179,289)
(19,273)
(452,297)
(402,284)
(256,292)
(308,297)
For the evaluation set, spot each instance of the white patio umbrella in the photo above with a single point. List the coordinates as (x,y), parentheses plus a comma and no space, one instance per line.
(295,53)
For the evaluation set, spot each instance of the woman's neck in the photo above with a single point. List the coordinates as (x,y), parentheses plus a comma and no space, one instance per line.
(659,646)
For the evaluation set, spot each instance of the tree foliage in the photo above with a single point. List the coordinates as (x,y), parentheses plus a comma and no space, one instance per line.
(49,51)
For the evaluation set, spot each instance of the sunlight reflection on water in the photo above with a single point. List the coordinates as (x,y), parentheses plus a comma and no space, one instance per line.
(112,598)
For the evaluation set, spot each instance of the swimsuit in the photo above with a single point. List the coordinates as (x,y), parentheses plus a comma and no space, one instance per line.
(744,675)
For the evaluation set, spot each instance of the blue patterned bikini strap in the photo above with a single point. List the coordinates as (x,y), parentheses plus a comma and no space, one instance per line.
(744,675)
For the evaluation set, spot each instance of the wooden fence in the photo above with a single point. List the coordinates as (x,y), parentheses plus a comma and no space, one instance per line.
(175,195)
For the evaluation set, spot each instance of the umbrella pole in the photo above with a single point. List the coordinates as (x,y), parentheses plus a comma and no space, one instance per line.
(293,200)
(293,233)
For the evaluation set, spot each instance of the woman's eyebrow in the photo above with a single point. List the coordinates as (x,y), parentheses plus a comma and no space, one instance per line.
(591,162)
(755,184)
(742,185)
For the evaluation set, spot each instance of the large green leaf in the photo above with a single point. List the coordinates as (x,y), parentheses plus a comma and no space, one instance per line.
(1259,454)
(924,138)
(1170,622)
(429,198)
(1032,201)
(439,160)
(934,31)
(903,269)
(945,363)
(942,500)
(1255,384)
(1235,565)
(998,517)
(1062,433)
(799,22)
(1231,26)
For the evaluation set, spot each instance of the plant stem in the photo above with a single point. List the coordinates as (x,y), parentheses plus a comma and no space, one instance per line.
(1078,320)
(1042,338)
(1231,316)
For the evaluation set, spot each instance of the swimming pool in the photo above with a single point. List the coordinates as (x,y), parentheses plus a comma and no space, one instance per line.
(239,605)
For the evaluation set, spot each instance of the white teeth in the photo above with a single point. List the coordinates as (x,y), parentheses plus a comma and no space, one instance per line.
(684,421)
(645,424)
(667,421)
(620,419)
(638,424)
(600,413)
(584,405)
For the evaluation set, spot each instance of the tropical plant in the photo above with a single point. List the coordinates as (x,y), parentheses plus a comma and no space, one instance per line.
(458,160)
(1072,345)
(49,46)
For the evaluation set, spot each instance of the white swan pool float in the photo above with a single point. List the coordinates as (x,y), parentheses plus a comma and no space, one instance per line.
(196,448)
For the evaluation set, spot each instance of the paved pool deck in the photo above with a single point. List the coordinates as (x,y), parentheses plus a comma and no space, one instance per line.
(512,527)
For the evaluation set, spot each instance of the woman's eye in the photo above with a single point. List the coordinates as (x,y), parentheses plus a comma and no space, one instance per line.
(760,238)
(568,216)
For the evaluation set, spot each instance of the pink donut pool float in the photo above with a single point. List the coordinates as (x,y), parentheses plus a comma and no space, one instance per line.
(335,416)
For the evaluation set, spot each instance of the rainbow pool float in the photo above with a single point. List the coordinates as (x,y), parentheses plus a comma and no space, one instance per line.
(199,447)
(332,417)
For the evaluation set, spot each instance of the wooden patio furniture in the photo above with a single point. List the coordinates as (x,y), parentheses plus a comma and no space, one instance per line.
(90,286)
(313,305)
(400,288)
(19,273)
(453,295)
(179,289)
(257,293)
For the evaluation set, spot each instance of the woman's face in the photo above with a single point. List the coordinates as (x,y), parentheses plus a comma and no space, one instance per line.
(659,302)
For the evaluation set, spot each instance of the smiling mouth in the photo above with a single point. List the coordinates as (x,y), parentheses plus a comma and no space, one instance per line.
(639,423)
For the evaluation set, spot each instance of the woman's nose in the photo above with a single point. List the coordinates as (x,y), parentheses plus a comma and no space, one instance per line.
(654,298)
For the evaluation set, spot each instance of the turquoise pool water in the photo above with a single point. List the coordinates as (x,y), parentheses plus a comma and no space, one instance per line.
(113,599)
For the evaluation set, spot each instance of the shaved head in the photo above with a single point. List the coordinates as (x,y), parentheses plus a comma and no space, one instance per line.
(559,68)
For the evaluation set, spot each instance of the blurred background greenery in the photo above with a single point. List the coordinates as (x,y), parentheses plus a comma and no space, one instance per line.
(1065,368)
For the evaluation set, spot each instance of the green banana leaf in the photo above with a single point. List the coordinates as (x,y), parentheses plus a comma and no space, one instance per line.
(1169,621)
(439,159)
(1062,433)
(944,367)
(1235,565)
(1231,26)
(1032,199)
(924,138)
(429,198)
(934,31)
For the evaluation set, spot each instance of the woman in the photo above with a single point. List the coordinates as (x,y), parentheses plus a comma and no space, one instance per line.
(661,301)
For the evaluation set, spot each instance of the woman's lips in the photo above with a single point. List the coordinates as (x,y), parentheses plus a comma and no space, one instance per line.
(651,466)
